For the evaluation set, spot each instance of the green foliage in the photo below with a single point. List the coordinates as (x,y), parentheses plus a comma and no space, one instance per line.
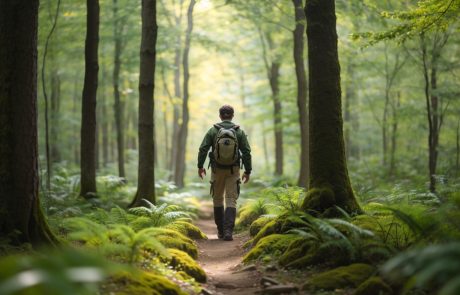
(429,15)
(346,276)
(373,285)
(270,247)
(160,215)
(435,267)
(143,283)
(66,271)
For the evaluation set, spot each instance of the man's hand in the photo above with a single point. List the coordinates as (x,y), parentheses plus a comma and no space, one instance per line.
(245,178)
(201,172)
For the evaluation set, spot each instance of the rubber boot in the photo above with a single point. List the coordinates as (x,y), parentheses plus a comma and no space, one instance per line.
(219,220)
(229,223)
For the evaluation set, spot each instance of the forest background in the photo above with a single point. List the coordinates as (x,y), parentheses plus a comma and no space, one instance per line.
(384,107)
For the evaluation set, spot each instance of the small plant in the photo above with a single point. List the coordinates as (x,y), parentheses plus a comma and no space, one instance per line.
(160,215)
(434,267)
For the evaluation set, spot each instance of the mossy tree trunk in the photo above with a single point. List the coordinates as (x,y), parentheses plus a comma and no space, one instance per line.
(146,171)
(21,218)
(298,53)
(88,117)
(329,182)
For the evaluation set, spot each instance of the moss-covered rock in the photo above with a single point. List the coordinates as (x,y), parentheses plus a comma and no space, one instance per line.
(258,224)
(183,262)
(273,245)
(173,239)
(188,229)
(346,276)
(144,283)
(319,199)
(373,286)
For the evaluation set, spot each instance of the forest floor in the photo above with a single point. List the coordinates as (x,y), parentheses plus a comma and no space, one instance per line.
(222,260)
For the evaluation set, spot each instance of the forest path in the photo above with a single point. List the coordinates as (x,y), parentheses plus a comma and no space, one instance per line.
(222,260)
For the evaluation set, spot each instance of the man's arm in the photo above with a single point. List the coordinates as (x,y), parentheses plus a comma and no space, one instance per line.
(245,149)
(204,148)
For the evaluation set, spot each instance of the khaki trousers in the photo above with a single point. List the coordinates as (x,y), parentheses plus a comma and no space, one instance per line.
(225,183)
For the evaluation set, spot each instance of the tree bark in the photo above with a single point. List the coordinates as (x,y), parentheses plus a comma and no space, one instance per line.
(55,154)
(146,172)
(177,96)
(183,129)
(329,182)
(277,116)
(301,91)
(394,135)
(457,163)
(105,131)
(88,127)
(22,219)
(118,106)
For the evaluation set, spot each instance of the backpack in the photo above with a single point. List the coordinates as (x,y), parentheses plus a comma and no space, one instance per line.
(225,149)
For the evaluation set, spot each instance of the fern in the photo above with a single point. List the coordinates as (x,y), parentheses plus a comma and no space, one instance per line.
(435,267)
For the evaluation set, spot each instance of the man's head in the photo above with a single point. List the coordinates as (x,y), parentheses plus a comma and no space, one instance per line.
(226,112)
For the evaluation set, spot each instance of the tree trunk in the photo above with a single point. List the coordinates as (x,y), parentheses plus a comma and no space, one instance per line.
(55,106)
(394,124)
(105,131)
(329,182)
(176,99)
(118,106)
(434,140)
(183,130)
(88,118)
(22,219)
(277,116)
(301,91)
(457,163)
(146,172)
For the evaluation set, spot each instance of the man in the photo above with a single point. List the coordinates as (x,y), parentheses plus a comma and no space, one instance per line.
(229,146)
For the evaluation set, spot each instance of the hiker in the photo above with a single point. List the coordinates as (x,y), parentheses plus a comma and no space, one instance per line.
(229,145)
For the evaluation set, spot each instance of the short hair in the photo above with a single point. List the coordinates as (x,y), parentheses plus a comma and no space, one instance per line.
(226,111)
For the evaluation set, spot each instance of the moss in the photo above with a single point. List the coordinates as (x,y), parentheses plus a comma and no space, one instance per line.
(373,286)
(319,199)
(144,283)
(272,227)
(331,255)
(346,276)
(183,262)
(173,239)
(258,224)
(188,229)
(273,245)
(296,250)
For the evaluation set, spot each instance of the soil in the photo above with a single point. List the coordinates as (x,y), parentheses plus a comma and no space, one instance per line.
(222,260)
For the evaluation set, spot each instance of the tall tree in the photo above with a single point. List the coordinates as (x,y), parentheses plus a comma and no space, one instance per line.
(19,200)
(430,59)
(329,182)
(146,172)
(272,66)
(301,91)
(88,116)
(183,129)
(118,25)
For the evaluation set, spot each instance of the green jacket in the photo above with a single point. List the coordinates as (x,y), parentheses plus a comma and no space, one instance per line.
(243,146)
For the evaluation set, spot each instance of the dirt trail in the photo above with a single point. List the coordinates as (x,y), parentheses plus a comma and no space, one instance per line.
(222,260)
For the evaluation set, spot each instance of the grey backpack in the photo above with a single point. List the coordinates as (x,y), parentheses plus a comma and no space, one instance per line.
(226,152)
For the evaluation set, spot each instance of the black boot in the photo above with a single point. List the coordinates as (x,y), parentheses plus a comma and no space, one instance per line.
(219,220)
(229,223)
